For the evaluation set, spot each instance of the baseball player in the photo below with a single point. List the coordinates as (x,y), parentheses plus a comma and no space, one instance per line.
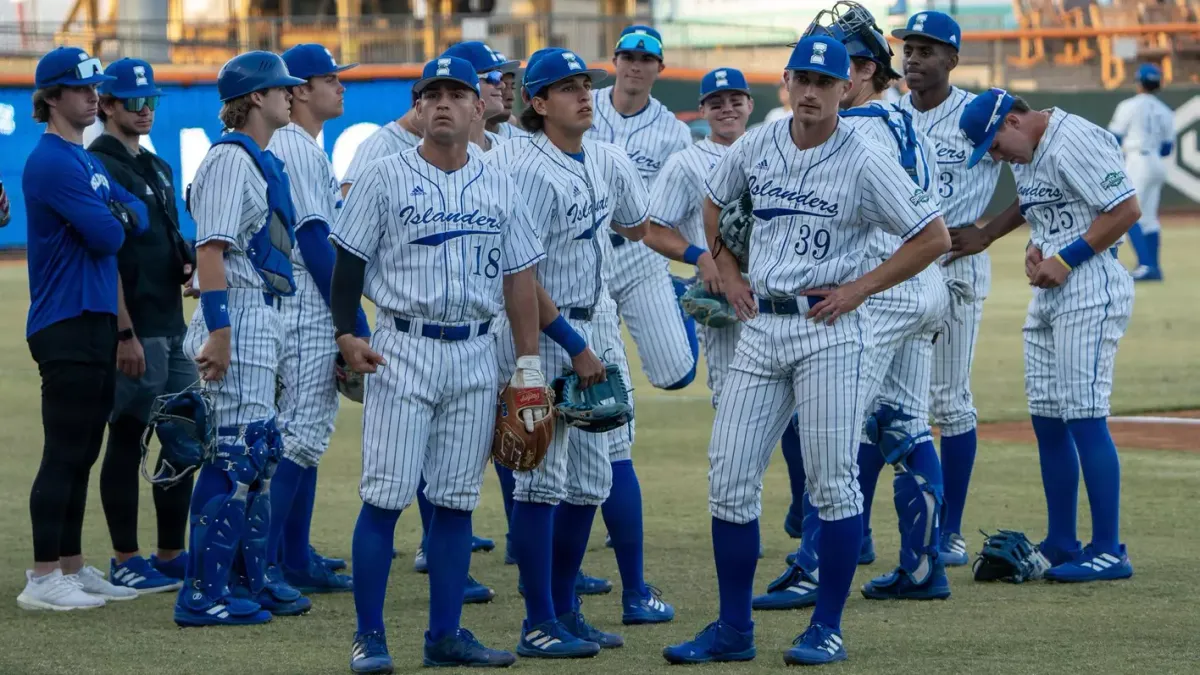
(241,202)
(930,52)
(1073,191)
(414,220)
(502,123)
(392,138)
(1145,128)
(820,190)
(308,400)
(577,190)
(907,318)
(628,116)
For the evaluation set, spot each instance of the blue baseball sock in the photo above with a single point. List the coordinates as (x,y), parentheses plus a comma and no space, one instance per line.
(1060,480)
(958,459)
(299,522)
(870,465)
(735,549)
(795,467)
(449,554)
(622,513)
(572,527)
(372,550)
(808,552)
(508,483)
(533,535)
(426,510)
(1102,478)
(839,545)
(1137,239)
(283,493)
(1151,248)
(211,482)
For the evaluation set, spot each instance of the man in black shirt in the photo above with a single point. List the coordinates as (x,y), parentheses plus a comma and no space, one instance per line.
(150,358)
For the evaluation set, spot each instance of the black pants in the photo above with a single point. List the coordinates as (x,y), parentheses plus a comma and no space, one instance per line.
(77,360)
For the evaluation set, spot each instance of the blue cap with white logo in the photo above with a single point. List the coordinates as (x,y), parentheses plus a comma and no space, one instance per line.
(553,65)
(639,39)
(311,60)
(821,54)
(132,78)
(1148,72)
(723,79)
(447,69)
(936,26)
(982,118)
(482,57)
(70,67)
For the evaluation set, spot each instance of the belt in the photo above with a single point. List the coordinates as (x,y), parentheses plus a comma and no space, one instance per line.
(243,297)
(785,306)
(273,300)
(576,313)
(435,331)
(617,240)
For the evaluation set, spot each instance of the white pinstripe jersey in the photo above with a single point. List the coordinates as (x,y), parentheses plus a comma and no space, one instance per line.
(315,191)
(814,209)
(492,139)
(877,129)
(964,193)
(229,204)
(649,137)
(678,194)
(507,130)
(437,244)
(1077,173)
(1143,122)
(387,140)
(572,204)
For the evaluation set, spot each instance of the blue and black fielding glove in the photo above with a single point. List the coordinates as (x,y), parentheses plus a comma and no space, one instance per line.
(1009,556)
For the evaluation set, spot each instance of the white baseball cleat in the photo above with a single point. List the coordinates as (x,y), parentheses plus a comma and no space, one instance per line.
(92,581)
(55,591)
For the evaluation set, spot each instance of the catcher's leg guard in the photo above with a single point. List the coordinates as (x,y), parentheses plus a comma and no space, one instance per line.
(885,428)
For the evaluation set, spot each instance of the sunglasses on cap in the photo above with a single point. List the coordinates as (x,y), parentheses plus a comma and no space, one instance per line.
(492,77)
(136,104)
(86,69)
(639,42)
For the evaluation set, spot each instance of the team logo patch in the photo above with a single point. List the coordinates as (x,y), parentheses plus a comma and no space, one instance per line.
(919,22)
(139,74)
(818,54)
(919,197)
(1113,179)
(572,61)
(443,67)
(722,78)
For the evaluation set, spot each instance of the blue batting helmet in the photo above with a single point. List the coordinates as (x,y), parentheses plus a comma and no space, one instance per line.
(251,72)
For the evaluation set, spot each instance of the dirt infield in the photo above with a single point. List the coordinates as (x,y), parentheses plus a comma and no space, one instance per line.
(1153,431)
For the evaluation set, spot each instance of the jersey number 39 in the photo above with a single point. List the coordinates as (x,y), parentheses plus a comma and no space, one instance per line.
(815,240)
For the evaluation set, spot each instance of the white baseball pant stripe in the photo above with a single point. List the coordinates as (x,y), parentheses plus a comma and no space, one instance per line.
(787,364)
(719,347)
(308,400)
(646,301)
(577,473)
(247,391)
(1071,335)
(1147,173)
(606,334)
(950,398)
(430,411)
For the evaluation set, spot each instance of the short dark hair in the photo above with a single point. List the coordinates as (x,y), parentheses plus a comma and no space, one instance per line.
(1020,106)
(100,114)
(531,120)
(881,79)
(41,109)
(1150,86)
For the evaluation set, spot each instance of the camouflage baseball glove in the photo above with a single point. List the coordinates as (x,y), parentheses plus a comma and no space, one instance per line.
(734,228)
(604,406)
(513,445)
(1009,556)
(349,382)
(707,308)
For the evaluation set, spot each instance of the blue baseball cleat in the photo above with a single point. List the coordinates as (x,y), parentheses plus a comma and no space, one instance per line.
(642,608)
(815,646)
(277,596)
(1146,273)
(137,573)
(866,552)
(176,567)
(585,585)
(608,541)
(318,578)
(794,589)
(551,640)
(953,550)
(462,649)
(1092,566)
(580,628)
(335,564)
(194,609)
(369,655)
(898,585)
(420,564)
(476,593)
(718,642)
(480,544)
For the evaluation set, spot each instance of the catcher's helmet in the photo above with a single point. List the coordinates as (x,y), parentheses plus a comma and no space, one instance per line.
(251,72)
(853,25)
(185,430)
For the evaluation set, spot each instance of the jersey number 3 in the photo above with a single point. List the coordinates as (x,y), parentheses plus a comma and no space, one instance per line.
(945,184)
(490,267)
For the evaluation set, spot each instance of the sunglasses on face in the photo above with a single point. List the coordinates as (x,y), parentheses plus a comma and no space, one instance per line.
(136,104)
(640,42)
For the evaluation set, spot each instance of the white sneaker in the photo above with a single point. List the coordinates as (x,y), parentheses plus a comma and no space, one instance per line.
(92,581)
(55,591)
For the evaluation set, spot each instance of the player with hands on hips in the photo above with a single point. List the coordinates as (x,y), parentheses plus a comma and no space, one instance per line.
(819,189)
(576,189)
(241,202)
(1074,192)
(413,220)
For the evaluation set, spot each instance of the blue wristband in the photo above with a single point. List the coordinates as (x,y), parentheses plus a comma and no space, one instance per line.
(215,306)
(1076,253)
(561,332)
(692,254)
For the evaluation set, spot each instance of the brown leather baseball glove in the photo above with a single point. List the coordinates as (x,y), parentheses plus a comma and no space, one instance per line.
(514,444)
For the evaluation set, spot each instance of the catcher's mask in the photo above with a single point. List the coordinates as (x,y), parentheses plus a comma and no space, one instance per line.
(186,433)
(853,25)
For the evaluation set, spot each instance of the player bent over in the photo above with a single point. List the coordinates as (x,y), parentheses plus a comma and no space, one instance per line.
(242,206)
(413,221)
(820,189)
(1072,187)
(576,189)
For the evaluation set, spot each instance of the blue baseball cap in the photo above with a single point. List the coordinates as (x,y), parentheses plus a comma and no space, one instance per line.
(482,57)
(312,60)
(982,118)
(553,65)
(132,78)
(936,26)
(723,79)
(821,54)
(1148,72)
(447,69)
(70,67)
(639,39)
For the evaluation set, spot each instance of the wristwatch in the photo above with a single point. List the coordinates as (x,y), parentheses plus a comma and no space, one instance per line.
(123,335)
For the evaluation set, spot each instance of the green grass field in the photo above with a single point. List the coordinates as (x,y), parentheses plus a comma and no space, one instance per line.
(1148,624)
